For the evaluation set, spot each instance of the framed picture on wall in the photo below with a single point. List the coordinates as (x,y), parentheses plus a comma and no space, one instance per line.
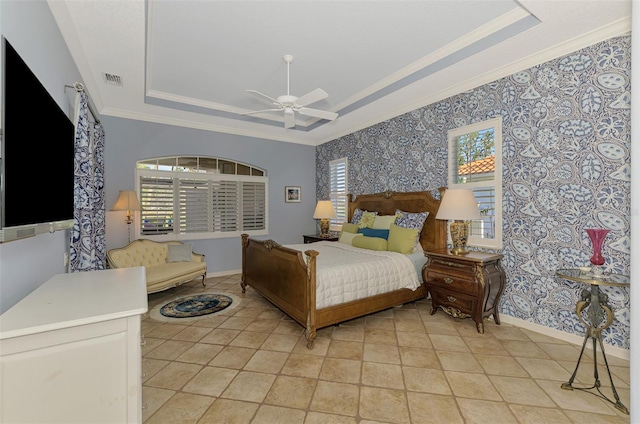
(292,194)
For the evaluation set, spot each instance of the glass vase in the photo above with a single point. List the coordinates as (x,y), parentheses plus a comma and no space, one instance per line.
(597,236)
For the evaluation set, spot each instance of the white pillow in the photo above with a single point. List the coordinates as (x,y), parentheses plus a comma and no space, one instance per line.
(179,252)
(383,222)
(347,238)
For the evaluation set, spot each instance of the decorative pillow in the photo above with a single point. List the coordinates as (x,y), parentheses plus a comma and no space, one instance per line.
(367,219)
(410,220)
(347,238)
(179,252)
(371,232)
(371,243)
(357,214)
(383,222)
(402,240)
(347,227)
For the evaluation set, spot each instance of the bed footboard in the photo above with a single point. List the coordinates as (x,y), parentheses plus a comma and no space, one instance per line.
(284,277)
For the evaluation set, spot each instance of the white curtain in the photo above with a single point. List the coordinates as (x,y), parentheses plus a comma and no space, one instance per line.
(88,244)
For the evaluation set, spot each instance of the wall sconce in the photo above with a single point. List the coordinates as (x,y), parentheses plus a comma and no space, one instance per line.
(127,201)
(324,212)
(459,205)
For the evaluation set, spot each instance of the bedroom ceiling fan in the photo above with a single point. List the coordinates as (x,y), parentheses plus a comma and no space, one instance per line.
(290,105)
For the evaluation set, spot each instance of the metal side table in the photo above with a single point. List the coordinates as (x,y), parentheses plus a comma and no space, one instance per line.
(599,316)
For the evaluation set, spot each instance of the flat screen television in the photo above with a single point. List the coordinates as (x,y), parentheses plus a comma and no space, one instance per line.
(37,155)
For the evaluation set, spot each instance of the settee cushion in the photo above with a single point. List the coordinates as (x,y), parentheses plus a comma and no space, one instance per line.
(179,252)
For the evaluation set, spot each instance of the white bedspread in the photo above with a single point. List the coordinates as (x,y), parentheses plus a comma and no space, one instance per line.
(345,273)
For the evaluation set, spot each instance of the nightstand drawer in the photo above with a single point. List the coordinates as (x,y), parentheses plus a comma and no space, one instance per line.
(450,282)
(460,301)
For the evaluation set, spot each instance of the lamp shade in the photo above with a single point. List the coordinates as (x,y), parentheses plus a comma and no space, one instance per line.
(324,210)
(127,201)
(458,204)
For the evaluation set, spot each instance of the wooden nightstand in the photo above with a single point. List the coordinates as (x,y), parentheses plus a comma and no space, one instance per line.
(465,286)
(317,237)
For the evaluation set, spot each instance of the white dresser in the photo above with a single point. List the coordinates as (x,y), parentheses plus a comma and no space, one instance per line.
(70,352)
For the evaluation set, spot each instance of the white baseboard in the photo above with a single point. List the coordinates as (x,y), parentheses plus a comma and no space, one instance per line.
(570,338)
(223,273)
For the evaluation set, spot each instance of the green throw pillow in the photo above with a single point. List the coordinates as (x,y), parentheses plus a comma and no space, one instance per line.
(349,228)
(402,240)
(371,243)
(383,222)
(347,238)
(367,220)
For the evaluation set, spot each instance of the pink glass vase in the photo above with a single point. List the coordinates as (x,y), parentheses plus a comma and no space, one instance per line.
(597,236)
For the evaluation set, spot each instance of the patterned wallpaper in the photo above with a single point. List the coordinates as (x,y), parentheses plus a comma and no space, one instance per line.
(566,167)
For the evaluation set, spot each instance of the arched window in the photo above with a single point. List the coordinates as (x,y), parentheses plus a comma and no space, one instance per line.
(197,197)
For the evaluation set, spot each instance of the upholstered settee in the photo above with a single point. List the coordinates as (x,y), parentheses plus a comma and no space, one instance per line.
(167,264)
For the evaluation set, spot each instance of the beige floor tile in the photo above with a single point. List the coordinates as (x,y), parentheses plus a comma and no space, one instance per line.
(280,342)
(320,346)
(289,327)
(577,400)
(459,361)
(407,312)
(210,381)
(474,386)
(382,375)
(416,357)
(229,411)
(298,365)
(580,417)
(151,366)
(200,353)
(413,339)
(181,408)
(501,365)
(274,414)
(336,398)
(540,338)
(152,399)
(546,369)
(263,325)
(352,334)
(169,350)
(560,351)
(385,405)
(379,323)
(236,323)
(165,331)
(341,370)
(322,418)
(232,357)
(220,336)
(266,361)
(505,332)
(381,353)
(535,415)
(447,342)
(149,343)
(291,392)
(248,312)
(485,345)
(444,328)
(173,376)
(192,334)
(210,321)
(249,386)
(467,328)
(433,409)
(524,349)
(477,411)
(426,380)
(523,391)
(345,349)
(272,313)
(252,339)
(373,335)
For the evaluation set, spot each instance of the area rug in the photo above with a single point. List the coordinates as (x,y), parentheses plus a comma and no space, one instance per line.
(193,307)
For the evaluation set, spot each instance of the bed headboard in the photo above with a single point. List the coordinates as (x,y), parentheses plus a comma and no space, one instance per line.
(434,231)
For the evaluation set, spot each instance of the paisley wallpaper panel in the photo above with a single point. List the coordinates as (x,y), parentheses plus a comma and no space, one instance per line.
(566,167)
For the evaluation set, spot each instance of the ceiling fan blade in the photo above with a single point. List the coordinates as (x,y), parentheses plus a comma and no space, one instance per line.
(260,111)
(312,97)
(263,95)
(316,113)
(289,118)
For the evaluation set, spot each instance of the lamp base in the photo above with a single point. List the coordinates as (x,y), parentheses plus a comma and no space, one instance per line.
(325,223)
(459,234)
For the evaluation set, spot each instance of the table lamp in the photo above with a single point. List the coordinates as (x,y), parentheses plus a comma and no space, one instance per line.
(127,201)
(324,212)
(460,206)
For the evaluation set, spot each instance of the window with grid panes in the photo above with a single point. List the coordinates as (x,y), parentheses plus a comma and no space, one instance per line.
(338,195)
(475,162)
(200,197)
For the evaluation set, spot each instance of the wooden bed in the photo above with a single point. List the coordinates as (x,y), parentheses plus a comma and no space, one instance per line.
(287,277)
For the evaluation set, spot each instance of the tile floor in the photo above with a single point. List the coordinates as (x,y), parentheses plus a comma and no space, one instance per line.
(402,365)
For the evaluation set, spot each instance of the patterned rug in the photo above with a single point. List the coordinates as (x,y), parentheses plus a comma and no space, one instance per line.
(195,306)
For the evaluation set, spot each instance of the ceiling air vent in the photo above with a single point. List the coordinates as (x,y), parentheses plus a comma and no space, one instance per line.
(113,79)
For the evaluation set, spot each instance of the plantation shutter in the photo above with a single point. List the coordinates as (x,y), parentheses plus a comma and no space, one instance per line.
(338,187)
(226,205)
(156,199)
(253,206)
(194,206)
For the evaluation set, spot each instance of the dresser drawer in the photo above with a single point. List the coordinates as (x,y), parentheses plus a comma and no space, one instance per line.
(460,301)
(450,282)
